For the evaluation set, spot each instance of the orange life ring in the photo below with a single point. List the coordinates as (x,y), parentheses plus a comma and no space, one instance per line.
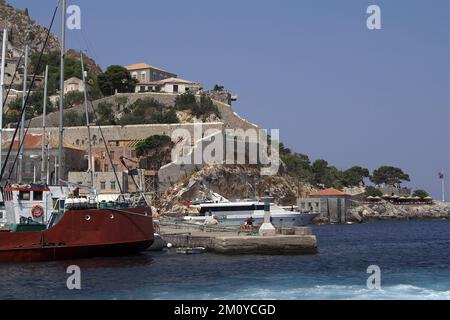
(37,211)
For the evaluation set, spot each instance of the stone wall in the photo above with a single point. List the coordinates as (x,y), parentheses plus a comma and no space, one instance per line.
(78,136)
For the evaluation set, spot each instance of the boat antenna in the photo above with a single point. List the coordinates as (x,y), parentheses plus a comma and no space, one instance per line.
(37,67)
(61,93)
(90,164)
(44,115)
(22,122)
(2,84)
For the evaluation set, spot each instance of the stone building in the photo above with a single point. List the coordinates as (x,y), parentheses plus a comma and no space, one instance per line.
(17,84)
(145,73)
(331,204)
(73,159)
(73,85)
(105,183)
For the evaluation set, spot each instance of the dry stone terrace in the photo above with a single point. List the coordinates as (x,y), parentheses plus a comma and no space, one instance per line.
(227,114)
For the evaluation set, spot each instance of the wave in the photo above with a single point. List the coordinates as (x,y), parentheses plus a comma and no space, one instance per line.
(340,292)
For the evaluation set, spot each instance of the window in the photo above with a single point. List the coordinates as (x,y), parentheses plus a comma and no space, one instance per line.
(38,195)
(1,215)
(106,168)
(175,88)
(143,74)
(24,195)
(112,154)
(117,143)
(134,75)
(113,185)
(102,185)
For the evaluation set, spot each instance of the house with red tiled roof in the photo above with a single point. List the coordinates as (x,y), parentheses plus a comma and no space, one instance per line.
(331,204)
(73,158)
(328,192)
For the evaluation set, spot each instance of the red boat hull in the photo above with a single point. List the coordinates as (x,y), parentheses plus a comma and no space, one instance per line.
(82,234)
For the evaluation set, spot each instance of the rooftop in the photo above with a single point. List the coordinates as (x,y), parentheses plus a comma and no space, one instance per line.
(329,192)
(34,141)
(169,81)
(140,66)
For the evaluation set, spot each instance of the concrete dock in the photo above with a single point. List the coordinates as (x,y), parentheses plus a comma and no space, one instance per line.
(292,241)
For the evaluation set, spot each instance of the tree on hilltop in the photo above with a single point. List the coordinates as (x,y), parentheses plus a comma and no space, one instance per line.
(391,176)
(116,78)
(355,176)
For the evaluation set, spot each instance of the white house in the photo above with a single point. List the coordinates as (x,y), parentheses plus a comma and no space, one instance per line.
(73,84)
(170,85)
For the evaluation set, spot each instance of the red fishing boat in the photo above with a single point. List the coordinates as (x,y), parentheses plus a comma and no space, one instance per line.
(55,223)
(79,234)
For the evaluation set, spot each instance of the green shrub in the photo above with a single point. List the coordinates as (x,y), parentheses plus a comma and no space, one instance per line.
(373,192)
(421,194)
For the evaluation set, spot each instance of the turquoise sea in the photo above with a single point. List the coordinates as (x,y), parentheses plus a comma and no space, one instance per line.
(414,258)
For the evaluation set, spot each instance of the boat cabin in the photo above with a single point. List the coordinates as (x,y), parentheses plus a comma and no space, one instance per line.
(34,203)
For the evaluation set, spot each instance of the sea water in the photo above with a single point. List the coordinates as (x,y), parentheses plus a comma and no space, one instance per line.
(413,256)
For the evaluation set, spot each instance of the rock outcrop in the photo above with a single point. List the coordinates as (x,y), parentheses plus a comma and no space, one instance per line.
(24,30)
(90,64)
(230,181)
(388,211)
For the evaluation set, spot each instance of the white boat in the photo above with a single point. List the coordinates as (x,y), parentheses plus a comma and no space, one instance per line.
(236,213)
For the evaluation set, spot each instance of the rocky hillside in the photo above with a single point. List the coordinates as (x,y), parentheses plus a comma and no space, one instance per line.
(231,182)
(24,30)
(90,64)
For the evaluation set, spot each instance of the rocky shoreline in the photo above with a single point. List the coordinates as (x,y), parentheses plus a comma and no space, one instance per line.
(387,211)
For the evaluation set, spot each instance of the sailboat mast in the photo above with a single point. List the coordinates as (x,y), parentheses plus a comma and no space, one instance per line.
(44,114)
(61,93)
(91,167)
(2,85)
(22,122)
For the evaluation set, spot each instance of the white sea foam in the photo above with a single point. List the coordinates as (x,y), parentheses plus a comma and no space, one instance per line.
(396,292)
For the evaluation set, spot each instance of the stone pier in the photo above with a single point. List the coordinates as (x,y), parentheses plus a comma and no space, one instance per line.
(288,241)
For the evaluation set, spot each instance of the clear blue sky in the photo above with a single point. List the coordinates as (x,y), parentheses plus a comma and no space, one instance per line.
(335,89)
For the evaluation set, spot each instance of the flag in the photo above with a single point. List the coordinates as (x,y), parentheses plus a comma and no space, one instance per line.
(441,175)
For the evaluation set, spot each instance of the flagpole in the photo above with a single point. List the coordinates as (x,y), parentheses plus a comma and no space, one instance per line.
(443,186)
